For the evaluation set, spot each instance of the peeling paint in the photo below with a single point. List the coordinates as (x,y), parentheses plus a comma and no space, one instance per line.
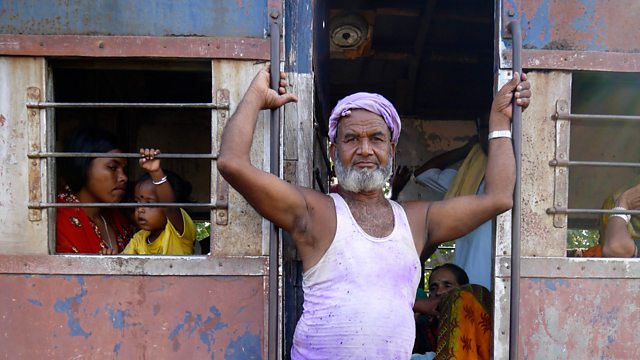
(117,318)
(590,24)
(206,328)
(247,346)
(34,302)
(108,318)
(551,283)
(539,33)
(70,306)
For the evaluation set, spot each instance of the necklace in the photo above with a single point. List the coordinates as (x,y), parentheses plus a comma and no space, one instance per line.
(106,229)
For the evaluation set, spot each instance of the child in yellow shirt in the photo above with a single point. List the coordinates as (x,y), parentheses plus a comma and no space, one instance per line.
(163,231)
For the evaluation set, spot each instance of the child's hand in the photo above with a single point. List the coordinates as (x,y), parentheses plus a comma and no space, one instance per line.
(108,251)
(148,161)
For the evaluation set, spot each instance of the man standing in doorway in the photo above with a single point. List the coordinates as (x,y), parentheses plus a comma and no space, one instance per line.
(359,250)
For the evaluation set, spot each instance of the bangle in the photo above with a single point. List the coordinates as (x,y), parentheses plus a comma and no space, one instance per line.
(625,217)
(500,134)
(160,182)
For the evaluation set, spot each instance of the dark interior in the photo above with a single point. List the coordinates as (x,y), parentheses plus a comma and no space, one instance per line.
(184,130)
(432,59)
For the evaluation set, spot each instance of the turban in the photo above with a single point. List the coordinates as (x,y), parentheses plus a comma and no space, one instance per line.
(375,103)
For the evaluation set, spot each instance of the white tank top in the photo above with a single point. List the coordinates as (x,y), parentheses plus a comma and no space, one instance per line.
(358,299)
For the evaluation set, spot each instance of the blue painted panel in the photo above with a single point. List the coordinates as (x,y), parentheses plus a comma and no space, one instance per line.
(299,36)
(230,18)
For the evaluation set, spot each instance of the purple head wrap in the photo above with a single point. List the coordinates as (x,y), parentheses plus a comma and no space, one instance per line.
(368,101)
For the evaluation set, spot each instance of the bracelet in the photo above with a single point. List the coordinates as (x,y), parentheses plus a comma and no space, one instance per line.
(160,182)
(500,134)
(625,217)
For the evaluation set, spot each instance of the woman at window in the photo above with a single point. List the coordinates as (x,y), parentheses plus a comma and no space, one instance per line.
(92,230)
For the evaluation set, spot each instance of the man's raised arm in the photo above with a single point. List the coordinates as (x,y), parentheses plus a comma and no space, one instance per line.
(455,217)
(274,198)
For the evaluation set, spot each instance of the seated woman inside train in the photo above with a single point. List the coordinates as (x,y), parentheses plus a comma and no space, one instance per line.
(458,321)
(92,230)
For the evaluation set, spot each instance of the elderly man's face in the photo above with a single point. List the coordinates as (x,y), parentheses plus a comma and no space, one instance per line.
(362,152)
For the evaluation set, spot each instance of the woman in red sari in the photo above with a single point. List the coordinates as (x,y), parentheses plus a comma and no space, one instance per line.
(92,230)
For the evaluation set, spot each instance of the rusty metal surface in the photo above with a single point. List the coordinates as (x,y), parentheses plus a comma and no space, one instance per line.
(540,136)
(587,25)
(35,171)
(577,60)
(571,268)
(132,317)
(298,132)
(142,17)
(244,223)
(574,34)
(615,273)
(501,318)
(133,46)
(133,265)
(18,235)
(579,319)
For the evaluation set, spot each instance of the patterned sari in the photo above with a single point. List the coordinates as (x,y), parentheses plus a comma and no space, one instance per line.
(465,326)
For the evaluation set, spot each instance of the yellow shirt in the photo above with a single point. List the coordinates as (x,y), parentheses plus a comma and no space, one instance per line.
(169,242)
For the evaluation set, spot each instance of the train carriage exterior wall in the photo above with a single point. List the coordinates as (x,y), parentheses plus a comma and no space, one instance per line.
(570,308)
(68,306)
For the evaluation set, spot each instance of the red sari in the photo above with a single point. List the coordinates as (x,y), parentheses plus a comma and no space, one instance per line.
(77,233)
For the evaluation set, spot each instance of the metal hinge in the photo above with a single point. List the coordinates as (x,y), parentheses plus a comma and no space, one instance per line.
(222,187)
(561,173)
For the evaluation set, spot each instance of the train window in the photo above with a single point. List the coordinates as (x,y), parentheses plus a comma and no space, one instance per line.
(608,138)
(151,104)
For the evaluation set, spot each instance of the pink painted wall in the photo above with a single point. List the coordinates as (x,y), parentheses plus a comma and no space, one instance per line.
(579,319)
(132,317)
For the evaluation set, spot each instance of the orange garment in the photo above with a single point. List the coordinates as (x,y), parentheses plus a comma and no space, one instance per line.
(465,326)
(594,251)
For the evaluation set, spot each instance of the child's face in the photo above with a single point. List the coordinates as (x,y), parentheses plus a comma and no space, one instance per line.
(149,218)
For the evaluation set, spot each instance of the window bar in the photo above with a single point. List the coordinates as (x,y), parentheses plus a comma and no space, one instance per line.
(562,210)
(120,155)
(569,116)
(561,162)
(79,105)
(46,205)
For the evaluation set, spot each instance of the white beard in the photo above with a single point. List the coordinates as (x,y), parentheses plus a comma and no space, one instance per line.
(362,180)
